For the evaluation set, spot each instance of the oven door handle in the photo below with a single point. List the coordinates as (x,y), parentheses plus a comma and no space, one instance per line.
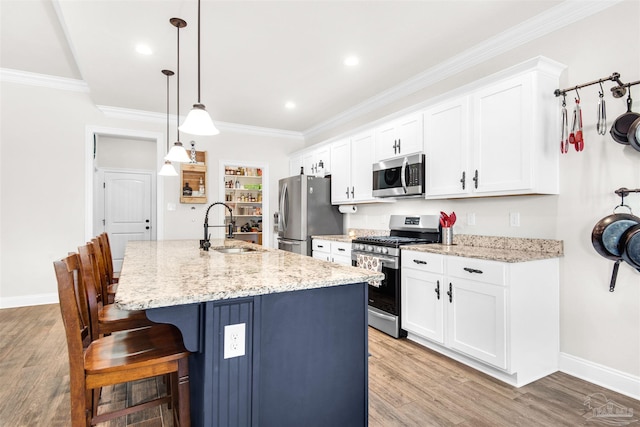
(403,171)
(354,257)
(382,316)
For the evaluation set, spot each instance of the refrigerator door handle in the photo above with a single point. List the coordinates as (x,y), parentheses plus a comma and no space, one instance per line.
(282,221)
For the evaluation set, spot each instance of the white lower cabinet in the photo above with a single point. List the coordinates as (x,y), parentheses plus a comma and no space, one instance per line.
(327,250)
(421,306)
(500,318)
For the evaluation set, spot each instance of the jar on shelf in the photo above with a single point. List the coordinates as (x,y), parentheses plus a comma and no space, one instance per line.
(186,190)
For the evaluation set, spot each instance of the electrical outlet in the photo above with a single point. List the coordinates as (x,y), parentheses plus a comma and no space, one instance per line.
(234,340)
(471,219)
(514,219)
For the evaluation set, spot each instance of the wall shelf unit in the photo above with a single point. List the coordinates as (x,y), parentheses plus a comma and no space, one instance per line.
(243,192)
(193,174)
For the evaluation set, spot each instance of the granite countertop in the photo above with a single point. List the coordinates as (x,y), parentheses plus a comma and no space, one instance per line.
(494,248)
(336,238)
(505,249)
(175,272)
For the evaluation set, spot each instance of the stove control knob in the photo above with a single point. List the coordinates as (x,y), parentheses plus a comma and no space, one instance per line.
(361,247)
(385,250)
(379,249)
(370,248)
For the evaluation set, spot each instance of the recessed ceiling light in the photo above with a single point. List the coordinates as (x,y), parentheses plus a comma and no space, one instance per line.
(351,61)
(290,105)
(143,49)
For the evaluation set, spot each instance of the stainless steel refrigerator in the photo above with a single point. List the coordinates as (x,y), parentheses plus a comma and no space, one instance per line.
(305,210)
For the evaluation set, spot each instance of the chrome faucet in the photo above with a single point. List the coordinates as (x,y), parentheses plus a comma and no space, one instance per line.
(205,243)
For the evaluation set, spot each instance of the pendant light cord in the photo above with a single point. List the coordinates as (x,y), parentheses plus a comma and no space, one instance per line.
(167,113)
(178,87)
(198,51)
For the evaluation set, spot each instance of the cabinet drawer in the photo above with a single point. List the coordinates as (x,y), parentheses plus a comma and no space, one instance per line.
(341,248)
(423,261)
(477,270)
(321,245)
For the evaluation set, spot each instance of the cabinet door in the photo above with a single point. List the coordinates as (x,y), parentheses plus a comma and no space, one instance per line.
(409,134)
(476,320)
(446,142)
(421,302)
(324,155)
(362,159)
(309,163)
(341,176)
(399,137)
(386,142)
(503,135)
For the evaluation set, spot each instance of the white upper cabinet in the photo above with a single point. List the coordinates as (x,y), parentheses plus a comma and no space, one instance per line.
(446,135)
(341,177)
(496,140)
(317,162)
(399,137)
(351,162)
(503,137)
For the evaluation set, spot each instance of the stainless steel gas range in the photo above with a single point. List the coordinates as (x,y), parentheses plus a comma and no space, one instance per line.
(384,301)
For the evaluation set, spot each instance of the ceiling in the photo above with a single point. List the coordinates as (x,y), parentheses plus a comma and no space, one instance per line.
(255,55)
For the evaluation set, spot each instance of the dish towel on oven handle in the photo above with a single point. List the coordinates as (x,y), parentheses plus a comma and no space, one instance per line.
(372,263)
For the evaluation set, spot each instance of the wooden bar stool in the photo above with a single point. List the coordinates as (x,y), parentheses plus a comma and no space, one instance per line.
(104,318)
(108,288)
(105,245)
(119,358)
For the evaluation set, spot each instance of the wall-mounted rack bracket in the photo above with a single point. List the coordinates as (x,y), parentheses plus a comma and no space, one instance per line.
(624,192)
(617,91)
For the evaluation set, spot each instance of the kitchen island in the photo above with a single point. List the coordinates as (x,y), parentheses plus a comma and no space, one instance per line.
(304,323)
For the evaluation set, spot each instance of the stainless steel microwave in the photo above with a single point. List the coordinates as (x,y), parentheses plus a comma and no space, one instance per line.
(399,177)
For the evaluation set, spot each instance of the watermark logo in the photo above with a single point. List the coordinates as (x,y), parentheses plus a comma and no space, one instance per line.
(601,410)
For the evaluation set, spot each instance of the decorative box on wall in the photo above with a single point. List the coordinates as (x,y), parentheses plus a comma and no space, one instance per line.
(193,180)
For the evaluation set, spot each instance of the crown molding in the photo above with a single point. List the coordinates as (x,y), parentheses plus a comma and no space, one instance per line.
(149,116)
(42,80)
(137,115)
(257,130)
(544,23)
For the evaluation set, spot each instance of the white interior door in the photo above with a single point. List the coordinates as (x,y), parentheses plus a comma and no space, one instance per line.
(127,210)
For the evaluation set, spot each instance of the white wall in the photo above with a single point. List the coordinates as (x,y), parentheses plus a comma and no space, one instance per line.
(600,327)
(42,182)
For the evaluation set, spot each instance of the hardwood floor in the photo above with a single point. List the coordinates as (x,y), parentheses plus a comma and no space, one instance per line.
(408,385)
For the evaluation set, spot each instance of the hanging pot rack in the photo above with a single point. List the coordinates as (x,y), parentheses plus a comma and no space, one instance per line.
(624,192)
(617,91)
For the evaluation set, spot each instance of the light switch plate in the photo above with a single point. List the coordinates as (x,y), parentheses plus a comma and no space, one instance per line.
(514,219)
(234,340)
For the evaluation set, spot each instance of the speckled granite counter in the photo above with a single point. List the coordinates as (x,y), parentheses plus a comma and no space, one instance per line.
(335,238)
(496,248)
(174,272)
(505,249)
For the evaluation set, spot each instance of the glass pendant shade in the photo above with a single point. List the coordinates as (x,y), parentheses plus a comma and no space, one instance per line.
(168,169)
(177,154)
(198,122)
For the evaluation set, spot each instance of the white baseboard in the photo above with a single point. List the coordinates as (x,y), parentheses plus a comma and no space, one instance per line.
(24,301)
(610,378)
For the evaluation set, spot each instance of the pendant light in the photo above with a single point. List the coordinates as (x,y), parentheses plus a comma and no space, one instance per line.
(177,152)
(168,169)
(198,121)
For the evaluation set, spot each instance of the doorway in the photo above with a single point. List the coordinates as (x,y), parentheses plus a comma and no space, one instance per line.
(123,195)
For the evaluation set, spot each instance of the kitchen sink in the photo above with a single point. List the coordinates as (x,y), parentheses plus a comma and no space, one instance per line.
(230,250)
